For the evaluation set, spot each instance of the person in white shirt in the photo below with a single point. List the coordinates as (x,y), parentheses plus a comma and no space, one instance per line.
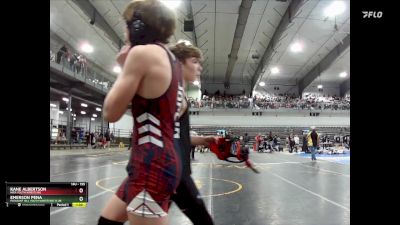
(296,142)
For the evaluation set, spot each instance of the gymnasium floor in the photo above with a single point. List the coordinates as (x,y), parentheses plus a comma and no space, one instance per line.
(290,189)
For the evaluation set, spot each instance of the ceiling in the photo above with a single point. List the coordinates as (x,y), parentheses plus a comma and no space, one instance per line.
(75,105)
(215,24)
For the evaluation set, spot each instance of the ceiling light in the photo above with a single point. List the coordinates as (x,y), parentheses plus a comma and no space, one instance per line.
(65,99)
(53,105)
(94,115)
(83,112)
(262,84)
(185,41)
(274,70)
(296,47)
(343,74)
(334,9)
(320,86)
(87,48)
(98,109)
(172,4)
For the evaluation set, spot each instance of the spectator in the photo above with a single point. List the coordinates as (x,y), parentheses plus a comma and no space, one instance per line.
(107,138)
(61,54)
(82,65)
(270,140)
(313,142)
(130,141)
(305,147)
(246,139)
(112,138)
(296,141)
(275,143)
(290,143)
(73,62)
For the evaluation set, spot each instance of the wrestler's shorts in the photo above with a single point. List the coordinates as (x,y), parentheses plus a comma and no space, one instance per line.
(150,183)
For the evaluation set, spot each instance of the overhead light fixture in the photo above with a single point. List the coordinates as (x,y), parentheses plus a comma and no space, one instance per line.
(87,48)
(98,109)
(61,112)
(94,115)
(74,118)
(334,9)
(172,4)
(343,74)
(83,105)
(320,86)
(65,99)
(83,112)
(117,69)
(53,105)
(92,119)
(262,84)
(184,41)
(196,82)
(296,47)
(274,70)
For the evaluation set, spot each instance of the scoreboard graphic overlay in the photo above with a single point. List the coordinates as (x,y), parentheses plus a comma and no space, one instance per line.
(56,194)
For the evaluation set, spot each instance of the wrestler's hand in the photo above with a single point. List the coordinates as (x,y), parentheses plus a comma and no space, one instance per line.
(210,139)
(123,53)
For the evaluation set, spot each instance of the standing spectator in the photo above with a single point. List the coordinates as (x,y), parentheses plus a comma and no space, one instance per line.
(82,64)
(93,140)
(313,142)
(87,138)
(130,141)
(275,143)
(61,54)
(270,140)
(246,139)
(324,143)
(304,147)
(192,147)
(290,143)
(112,137)
(78,139)
(296,141)
(78,63)
(73,62)
(258,141)
(108,139)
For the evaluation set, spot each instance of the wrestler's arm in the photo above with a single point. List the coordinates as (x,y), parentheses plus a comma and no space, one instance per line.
(127,83)
(202,140)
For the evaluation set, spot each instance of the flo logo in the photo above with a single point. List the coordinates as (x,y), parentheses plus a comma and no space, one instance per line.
(372,14)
